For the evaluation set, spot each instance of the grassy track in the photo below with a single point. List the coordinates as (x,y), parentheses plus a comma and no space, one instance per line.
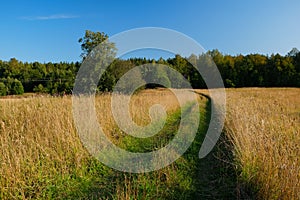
(41,156)
(187,178)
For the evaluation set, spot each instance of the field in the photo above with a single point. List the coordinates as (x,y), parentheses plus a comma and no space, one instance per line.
(264,127)
(257,156)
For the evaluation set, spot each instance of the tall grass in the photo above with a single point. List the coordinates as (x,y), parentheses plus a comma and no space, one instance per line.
(264,127)
(41,156)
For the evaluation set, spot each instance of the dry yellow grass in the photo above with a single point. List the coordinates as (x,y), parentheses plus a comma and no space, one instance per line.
(39,145)
(139,104)
(38,141)
(264,126)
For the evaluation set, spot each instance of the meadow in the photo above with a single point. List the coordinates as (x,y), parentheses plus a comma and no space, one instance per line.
(264,128)
(42,157)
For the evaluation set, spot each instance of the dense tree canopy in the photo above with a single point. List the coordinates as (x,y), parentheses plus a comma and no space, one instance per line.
(252,70)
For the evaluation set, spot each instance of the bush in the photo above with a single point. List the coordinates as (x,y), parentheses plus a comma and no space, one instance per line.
(39,89)
(164,80)
(3,89)
(16,87)
(229,83)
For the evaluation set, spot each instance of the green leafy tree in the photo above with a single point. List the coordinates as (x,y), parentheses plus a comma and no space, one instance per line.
(293,52)
(95,57)
(90,41)
(40,89)
(107,82)
(157,76)
(130,81)
(16,87)
(3,89)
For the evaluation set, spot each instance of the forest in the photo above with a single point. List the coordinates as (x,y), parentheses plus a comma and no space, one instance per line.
(253,70)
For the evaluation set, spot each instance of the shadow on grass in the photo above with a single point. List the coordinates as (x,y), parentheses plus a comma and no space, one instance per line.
(216,176)
(213,177)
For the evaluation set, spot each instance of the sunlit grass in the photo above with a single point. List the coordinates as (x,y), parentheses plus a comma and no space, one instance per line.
(42,157)
(264,126)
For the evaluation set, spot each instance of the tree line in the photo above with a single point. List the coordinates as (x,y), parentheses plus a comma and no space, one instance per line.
(253,70)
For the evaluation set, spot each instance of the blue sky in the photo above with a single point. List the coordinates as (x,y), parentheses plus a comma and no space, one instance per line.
(49,30)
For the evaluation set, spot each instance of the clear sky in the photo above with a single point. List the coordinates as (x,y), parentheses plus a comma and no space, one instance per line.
(37,30)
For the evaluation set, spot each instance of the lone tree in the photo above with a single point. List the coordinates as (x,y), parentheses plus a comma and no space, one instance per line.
(98,53)
(3,89)
(90,41)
